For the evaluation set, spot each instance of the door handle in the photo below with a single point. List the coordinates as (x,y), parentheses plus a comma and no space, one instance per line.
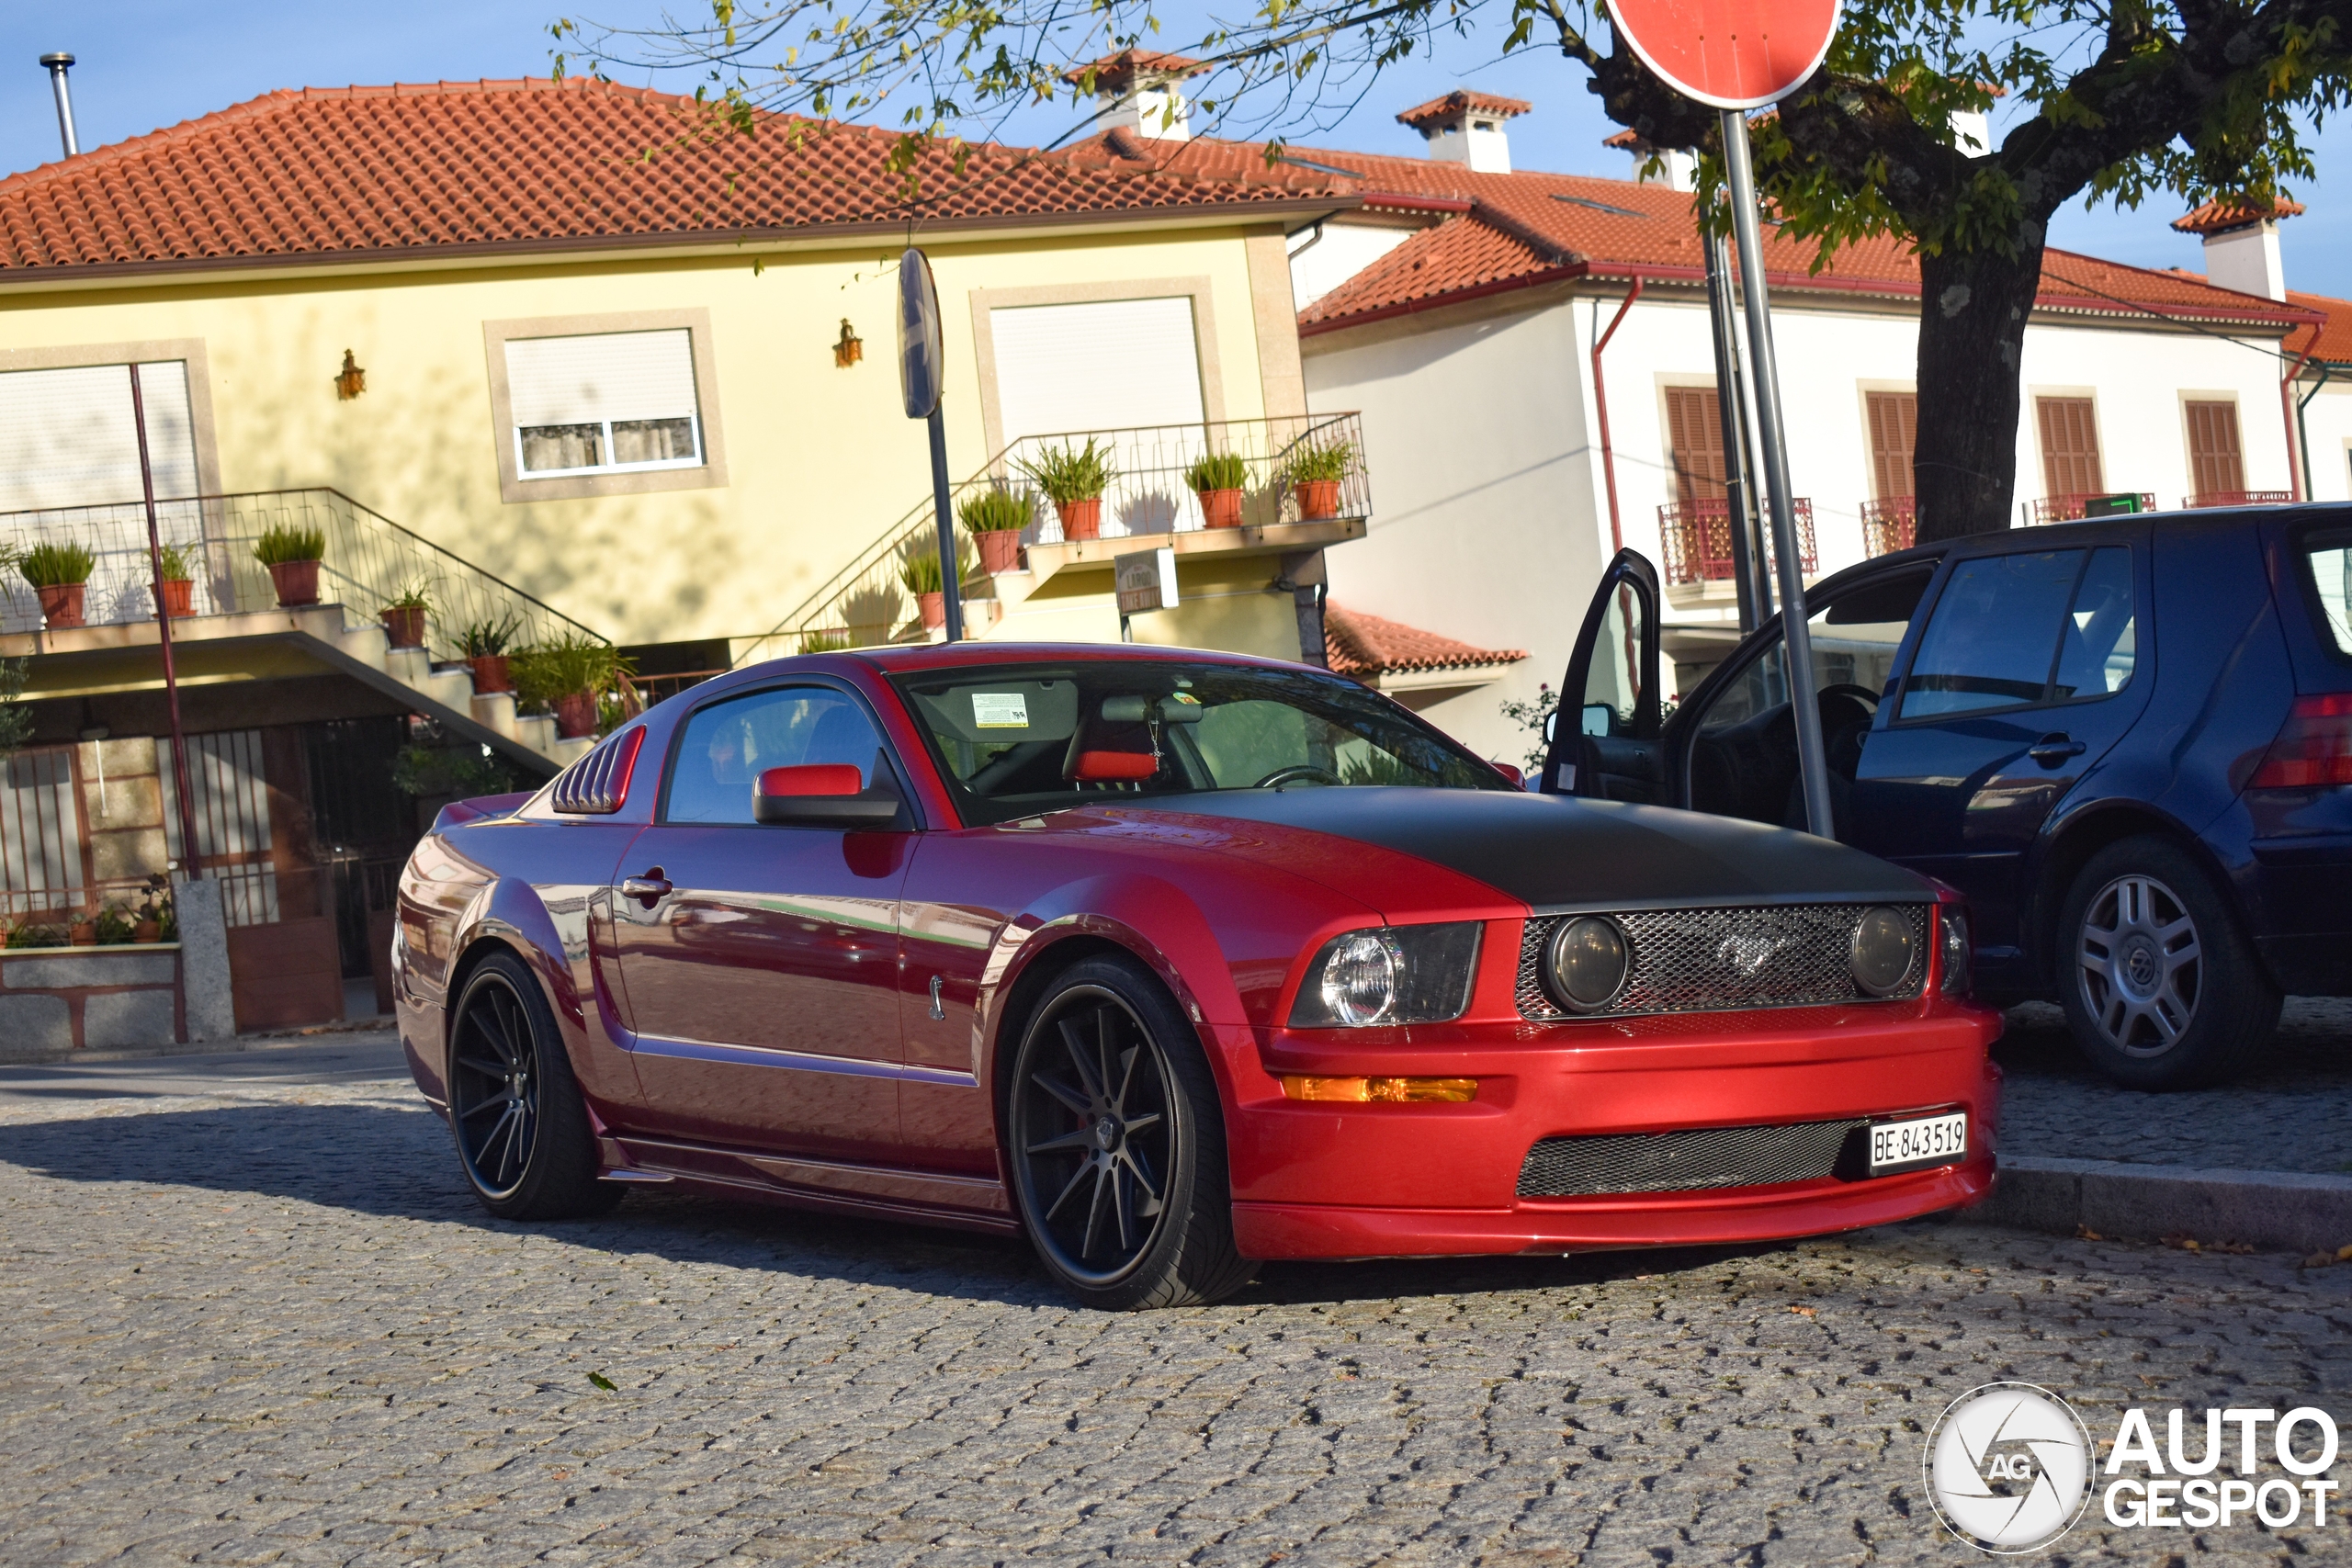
(2052,750)
(651,888)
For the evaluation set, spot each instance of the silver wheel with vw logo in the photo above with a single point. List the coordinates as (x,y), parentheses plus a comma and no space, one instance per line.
(2161,988)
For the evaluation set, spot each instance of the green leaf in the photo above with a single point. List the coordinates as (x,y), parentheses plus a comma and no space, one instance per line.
(600,1380)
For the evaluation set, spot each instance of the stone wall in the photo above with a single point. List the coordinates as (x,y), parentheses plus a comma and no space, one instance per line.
(62,998)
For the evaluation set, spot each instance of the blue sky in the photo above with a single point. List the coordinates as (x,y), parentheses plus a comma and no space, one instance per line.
(144,63)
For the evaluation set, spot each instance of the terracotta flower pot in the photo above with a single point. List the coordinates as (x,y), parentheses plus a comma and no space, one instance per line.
(297,582)
(575,715)
(1080,519)
(1319,499)
(491,674)
(1222,508)
(1000,550)
(147,930)
(179,598)
(82,933)
(403,623)
(934,610)
(61,606)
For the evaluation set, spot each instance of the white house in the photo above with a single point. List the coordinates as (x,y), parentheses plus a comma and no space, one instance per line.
(1464,308)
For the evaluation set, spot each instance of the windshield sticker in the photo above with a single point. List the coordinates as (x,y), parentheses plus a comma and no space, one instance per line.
(1000,710)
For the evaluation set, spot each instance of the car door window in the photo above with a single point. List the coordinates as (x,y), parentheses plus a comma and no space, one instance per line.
(728,744)
(1612,685)
(1994,636)
(2098,644)
(2328,558)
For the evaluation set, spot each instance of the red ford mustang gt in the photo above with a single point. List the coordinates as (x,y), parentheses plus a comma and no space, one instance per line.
(1172,961)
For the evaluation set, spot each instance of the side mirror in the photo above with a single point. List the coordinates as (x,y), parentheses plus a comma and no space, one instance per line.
(1599,718)
(1551,726)
(823,795)
(1510,770)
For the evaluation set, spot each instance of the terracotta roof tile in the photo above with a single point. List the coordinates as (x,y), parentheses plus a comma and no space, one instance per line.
(1458,100)
(1114,72)
(1360,646)
(323,172)
(2331,338)
(2218,217)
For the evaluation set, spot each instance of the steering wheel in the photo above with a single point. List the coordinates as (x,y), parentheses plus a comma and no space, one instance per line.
(1280,776)
(1844,746)
(1847,689)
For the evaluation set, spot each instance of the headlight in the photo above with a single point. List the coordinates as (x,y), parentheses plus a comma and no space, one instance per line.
(1585,964)
(1883,951)
(1952,921)
(1389,975)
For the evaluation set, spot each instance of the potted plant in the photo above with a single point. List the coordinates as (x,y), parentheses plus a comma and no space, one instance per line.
(292,555)
(1217,480)
(565,677)
(31,935)
(82,930)
(994,517)
(403,615)
(147,925)
(823,642)
(178,563)
(1315,472)
(1074,479)
(60,575)
(919,572)
(114,926)
(484,643)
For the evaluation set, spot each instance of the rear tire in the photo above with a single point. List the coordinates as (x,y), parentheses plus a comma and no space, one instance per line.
(2161,988)
(1117,1143)
(522,1129)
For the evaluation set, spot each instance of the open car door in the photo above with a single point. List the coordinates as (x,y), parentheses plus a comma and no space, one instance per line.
(1604,741)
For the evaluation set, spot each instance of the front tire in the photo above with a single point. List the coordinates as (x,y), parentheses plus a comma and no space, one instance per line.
(2161,988)
(523,1134)
(1117,1146)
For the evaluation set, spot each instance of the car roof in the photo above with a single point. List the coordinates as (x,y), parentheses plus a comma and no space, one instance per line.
(952,655)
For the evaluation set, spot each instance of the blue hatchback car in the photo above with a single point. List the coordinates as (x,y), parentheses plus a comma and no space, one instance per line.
(2129,741)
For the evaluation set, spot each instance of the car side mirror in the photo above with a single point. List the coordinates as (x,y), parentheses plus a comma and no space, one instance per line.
(1599,718)
(1551,726)
(1510,770)
(823,795)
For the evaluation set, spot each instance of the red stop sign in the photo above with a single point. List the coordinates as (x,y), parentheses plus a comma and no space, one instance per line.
(1734,54)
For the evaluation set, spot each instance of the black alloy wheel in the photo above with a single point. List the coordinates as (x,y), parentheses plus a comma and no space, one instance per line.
(1117,1144)
(2161,988)
(522,1129)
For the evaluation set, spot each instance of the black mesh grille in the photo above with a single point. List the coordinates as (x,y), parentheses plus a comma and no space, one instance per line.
(1711,959)
(1693,1161)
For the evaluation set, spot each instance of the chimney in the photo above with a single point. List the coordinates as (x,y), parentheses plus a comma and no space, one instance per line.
(1138,92)
(2242,244)
(1467,127)
(1675,169)
(57,64)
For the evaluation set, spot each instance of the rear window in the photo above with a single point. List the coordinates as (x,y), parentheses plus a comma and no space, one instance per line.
(2327,558)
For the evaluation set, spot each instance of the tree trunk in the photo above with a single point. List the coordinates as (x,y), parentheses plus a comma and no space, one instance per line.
(1973,310)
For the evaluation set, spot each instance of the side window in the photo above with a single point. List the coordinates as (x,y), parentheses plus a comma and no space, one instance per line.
(1612,685)
(728,745)
(2098,644)
(1994,634)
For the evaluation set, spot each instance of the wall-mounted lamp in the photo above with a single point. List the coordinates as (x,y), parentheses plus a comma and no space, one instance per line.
(850,349)
(353,381)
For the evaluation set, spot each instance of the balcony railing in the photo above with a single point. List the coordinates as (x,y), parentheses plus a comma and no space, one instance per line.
(2074,508)
(368,560)
(1890,525)
(865,604)
(2238,498)
(1695,537)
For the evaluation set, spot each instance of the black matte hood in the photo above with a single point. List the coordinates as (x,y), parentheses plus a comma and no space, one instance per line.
(1555,852)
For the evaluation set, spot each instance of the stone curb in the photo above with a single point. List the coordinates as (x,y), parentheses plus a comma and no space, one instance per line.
(316,1034)
(2277,1211)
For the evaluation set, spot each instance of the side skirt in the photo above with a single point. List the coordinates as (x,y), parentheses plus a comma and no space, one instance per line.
(918,1197)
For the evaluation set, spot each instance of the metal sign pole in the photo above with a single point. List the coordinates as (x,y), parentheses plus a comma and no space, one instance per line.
(188,867)
(921,379)
(1813,762)
(1738,485)
(950,578)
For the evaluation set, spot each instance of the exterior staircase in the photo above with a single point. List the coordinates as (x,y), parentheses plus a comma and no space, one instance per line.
(368,559)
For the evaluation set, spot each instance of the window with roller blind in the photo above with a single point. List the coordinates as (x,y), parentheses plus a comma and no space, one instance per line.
(2070,462)
(1056,371)
(1895,436)
(605,405)
(67,437)
(1694,432)
(2216,463)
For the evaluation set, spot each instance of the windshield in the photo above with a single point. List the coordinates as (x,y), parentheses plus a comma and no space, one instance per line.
(1018,739)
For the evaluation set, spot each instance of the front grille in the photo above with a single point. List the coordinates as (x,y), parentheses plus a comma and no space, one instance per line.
(1695,1161)
(1715,959)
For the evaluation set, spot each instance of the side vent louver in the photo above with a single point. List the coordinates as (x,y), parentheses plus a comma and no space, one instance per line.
(597,784)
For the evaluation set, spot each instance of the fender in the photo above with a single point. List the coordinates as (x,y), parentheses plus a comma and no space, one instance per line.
(509,911)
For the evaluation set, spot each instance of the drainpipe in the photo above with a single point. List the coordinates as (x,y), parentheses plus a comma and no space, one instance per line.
(1600,406)
(2299,459)
(57,64)
(2302,434)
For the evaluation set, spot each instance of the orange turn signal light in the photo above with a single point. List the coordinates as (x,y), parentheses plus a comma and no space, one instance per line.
(1381,1092)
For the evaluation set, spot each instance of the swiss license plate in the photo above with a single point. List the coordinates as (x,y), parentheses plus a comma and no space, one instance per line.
(1921,1142)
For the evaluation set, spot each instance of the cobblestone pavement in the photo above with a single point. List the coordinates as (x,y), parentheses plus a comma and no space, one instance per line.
(2292,1112)
(266,1323)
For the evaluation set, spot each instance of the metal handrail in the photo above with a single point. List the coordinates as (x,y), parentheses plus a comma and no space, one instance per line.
(1694,537)
(2073,508)
(2237,498)
(1890,524)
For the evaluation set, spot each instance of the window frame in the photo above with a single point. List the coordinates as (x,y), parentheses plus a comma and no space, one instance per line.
(672,748)
(1926,615)
(516,486)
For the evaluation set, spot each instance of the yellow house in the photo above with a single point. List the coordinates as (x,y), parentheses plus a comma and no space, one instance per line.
(564,356)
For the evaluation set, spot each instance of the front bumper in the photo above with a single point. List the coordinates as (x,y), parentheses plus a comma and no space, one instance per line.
(1316,1180)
